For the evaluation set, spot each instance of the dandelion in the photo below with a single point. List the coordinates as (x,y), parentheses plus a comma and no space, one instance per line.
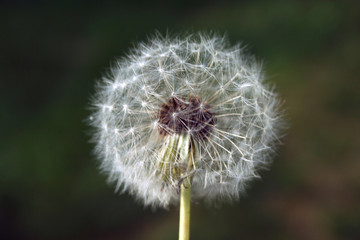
(184,114)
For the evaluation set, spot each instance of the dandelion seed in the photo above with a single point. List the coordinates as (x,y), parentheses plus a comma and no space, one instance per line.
(185,109)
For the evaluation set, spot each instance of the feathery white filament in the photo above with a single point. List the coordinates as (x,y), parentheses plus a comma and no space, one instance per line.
(127,103)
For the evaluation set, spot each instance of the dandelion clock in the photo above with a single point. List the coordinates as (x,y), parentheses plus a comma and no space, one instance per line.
(184,118)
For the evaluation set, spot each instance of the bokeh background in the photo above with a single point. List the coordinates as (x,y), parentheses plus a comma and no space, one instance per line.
(51,53)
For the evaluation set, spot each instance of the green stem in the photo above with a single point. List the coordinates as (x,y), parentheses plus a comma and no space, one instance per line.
(184,222)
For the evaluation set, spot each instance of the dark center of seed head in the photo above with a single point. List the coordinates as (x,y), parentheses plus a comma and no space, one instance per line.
(180,115)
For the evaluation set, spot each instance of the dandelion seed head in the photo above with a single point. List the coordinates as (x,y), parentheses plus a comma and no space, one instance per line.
(198,88)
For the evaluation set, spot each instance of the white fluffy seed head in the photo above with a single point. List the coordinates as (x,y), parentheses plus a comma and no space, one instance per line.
(130,136)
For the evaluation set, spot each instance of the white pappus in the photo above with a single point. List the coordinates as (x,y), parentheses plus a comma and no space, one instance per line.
(184,107)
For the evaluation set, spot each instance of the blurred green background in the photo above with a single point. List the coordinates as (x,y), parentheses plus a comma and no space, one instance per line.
(51,53)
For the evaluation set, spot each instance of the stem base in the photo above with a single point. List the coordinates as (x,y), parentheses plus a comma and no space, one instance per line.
(184,222)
